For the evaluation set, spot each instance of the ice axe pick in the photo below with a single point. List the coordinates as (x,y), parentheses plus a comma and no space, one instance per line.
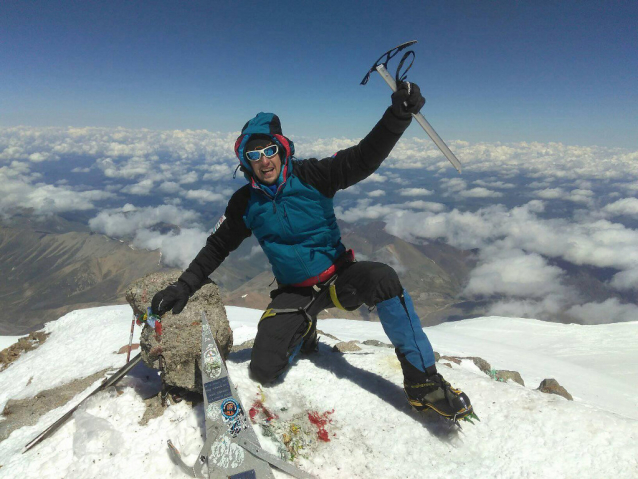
(380,66)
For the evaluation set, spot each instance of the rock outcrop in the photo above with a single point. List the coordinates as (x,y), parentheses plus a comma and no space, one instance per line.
(346,347)
(29,343)
(551,386)
(179,345)
(504,376)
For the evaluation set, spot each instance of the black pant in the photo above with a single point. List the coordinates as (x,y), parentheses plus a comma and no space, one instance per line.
(277,336)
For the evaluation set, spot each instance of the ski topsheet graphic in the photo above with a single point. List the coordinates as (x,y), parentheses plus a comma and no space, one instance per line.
(231,449)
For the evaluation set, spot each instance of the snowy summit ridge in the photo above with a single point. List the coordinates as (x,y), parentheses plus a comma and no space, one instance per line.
(358,422)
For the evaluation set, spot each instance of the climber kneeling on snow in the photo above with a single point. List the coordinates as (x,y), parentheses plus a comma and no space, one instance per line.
(288,205)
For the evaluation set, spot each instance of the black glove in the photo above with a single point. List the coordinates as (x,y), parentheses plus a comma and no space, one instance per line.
(409,93)
(174,296)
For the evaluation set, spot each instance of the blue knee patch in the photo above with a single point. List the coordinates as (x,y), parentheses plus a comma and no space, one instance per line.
(403,327)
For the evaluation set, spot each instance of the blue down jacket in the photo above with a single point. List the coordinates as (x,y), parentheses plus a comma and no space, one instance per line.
(296,226)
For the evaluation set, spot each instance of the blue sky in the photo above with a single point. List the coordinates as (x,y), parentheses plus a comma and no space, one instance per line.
(491,71)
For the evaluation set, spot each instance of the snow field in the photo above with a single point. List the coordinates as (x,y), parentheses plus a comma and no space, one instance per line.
(373,433)
(6,341)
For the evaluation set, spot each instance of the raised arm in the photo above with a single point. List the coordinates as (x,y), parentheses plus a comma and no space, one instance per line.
(348,167)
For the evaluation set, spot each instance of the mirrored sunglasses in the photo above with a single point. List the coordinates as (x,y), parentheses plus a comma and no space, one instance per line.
(268,152)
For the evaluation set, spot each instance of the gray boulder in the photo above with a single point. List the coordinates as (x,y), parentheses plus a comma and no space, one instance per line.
(504,375)
(551,386)
(180,341)
(346,347)
(480,363)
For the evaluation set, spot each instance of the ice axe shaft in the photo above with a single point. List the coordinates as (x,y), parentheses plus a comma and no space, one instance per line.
(423,122)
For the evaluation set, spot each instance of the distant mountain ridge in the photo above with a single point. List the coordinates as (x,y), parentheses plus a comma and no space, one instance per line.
(44,274)
(50,266)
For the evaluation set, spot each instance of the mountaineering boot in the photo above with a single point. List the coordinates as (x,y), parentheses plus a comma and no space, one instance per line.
(437,394)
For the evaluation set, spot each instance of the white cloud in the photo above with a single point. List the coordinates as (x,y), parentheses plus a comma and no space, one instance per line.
(159,161)
(215,172)
(126,169)
(425,205)
(500,233)
(178,250)
(388,256)
(539,184)
(364,209)
(624,207)
(609,311)
(375,178)
(548,308)
(581,196)
(551,194)
(39,157)
(414,192)
(143,188)
(626,280)
(126,221)
(169,187)
(254,251)
(494,184)
(453,185)
(17,192)
(203,196)
(190,177)
(480,192)
(513,273)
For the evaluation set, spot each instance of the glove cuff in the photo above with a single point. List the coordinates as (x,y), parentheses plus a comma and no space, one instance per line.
(184,286)
(396,124)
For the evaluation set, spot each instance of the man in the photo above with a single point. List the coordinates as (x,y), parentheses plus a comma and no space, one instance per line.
(288,205)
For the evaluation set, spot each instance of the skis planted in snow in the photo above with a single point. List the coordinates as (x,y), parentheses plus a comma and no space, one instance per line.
(231,448)
(119,374)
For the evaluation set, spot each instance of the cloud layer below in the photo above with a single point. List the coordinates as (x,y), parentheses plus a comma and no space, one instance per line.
(523,206)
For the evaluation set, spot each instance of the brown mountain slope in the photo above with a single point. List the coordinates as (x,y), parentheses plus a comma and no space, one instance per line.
(44,275)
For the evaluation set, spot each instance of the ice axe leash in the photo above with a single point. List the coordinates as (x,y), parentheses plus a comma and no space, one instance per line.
(381,66)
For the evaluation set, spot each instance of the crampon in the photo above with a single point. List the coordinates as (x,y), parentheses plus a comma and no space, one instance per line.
(437,395)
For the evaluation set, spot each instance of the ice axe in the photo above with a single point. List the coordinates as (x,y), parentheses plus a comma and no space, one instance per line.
(380,66)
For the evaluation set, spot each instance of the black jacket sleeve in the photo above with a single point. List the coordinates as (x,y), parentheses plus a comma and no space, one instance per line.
(356,163)
(229,234)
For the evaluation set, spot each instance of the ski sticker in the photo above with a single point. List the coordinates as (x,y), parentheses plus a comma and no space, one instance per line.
(212,362)
(234,417)
(230,409)
(212,413)
(217,390)
(226,454)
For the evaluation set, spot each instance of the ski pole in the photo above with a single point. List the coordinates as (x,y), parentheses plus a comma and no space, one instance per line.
(105,384)
(423,122)
(130,340)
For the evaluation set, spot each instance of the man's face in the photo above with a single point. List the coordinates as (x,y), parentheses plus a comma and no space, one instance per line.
(267,170)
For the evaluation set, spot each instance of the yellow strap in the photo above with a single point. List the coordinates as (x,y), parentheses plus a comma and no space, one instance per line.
(333,297)
(267,314)
(307,330)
